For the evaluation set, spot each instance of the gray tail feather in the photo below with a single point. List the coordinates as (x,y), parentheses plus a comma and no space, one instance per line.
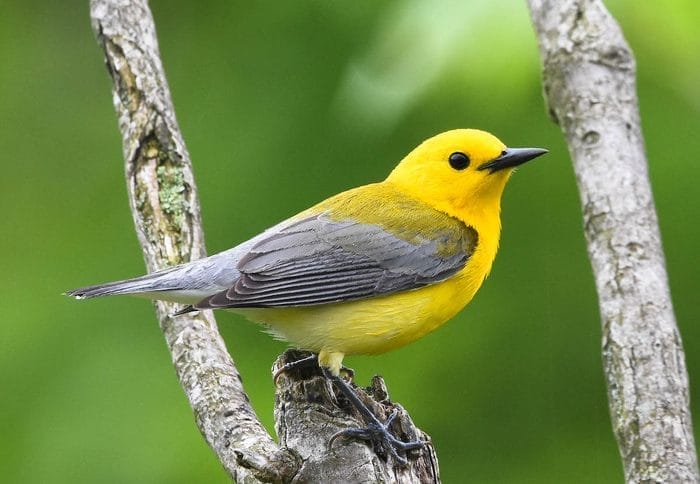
(154,282)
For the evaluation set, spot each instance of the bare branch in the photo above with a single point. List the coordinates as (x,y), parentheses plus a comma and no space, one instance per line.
(164,203)
(589,81)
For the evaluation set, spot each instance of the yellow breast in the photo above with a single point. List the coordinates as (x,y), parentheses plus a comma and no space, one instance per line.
(380,324)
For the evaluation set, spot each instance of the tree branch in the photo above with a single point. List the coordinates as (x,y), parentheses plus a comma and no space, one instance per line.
(589,82)
(165,207)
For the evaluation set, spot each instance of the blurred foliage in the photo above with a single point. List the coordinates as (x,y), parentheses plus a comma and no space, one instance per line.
(283,104)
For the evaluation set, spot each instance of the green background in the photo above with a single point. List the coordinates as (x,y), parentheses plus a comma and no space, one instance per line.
(283,104)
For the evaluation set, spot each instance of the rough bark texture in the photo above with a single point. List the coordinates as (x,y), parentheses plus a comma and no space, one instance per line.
(164,203)
(165,207)
(589,82)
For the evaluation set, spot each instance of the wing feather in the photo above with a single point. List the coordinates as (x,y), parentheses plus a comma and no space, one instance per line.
(320,260)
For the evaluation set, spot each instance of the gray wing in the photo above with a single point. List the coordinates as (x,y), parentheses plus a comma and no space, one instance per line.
(318,260)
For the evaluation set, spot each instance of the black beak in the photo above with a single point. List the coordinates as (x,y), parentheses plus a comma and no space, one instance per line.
(512,157)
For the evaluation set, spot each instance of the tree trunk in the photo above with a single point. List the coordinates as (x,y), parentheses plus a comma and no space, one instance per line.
(589,83)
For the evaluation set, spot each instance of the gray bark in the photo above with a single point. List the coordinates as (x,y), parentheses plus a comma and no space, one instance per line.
(165,207)
(590,86)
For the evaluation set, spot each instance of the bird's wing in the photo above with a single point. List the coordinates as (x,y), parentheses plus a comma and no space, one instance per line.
(319,260)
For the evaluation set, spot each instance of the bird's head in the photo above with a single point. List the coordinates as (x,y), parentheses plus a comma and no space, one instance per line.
(462,169)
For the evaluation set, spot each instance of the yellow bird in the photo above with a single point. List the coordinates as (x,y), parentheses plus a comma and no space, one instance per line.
(365,271)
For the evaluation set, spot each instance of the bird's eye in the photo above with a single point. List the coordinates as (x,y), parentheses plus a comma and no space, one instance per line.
(459,161)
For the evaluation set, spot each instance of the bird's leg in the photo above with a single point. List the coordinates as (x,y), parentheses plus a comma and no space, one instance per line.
(376,431)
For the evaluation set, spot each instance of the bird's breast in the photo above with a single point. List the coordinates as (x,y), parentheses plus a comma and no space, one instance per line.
(379,324)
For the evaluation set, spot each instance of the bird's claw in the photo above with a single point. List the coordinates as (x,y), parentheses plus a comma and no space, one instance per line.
(381,438)
(311,359)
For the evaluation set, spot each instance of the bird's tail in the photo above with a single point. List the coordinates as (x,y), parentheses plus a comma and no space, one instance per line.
(157,285)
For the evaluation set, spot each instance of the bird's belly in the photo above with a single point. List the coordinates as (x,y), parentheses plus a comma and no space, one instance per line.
(369,326)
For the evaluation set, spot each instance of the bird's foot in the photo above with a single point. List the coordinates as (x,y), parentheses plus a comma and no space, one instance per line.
(310,360)
(307,360)
(376,432)
(381,438)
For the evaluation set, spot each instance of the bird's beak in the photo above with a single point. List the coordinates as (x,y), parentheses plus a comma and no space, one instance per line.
(512,157)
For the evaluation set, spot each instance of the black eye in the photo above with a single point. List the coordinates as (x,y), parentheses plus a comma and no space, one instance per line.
(459,161)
